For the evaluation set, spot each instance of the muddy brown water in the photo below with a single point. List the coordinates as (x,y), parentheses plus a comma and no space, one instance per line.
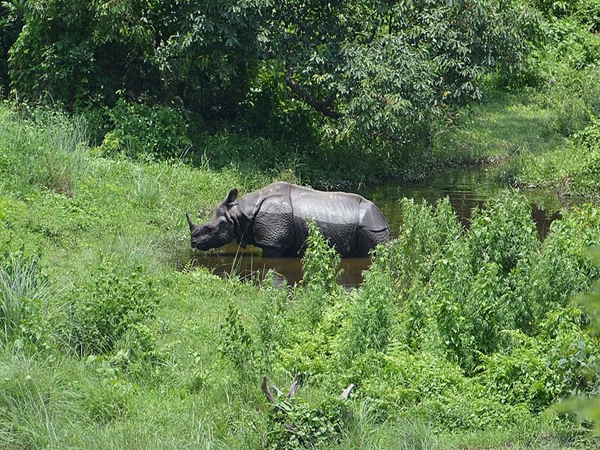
(466,189)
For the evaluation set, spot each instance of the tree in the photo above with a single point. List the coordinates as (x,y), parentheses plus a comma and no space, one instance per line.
(82,52)
(11,14)
(97,51)
(387,69)
(365,69)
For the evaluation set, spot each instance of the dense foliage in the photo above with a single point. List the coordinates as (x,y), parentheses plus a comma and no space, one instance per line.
(103,342)
(478,336)
(363,90)
(366,71)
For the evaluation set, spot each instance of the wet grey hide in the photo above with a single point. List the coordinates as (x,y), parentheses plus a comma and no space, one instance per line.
(275,219)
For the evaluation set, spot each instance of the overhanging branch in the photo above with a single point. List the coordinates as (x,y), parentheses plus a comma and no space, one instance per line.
(301,94)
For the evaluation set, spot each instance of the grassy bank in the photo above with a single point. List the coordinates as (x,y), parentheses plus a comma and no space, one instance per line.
(461,342)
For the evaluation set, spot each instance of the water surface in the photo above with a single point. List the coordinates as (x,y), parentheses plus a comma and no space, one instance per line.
(466,189)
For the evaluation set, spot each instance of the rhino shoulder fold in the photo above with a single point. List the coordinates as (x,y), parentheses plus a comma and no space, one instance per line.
(273,224)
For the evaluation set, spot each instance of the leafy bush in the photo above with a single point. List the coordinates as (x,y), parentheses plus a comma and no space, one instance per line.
(237,344)
(589,137)
(320,264)
(370,317)
(142,131)
(106,309)
(502,233)
(136,352)
(296,424)
(586,11)
(425,233)
(311,349)
(520,374)
(271,320)
(587,408)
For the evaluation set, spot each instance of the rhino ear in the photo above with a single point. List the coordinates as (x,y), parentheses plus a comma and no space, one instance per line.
(231,197)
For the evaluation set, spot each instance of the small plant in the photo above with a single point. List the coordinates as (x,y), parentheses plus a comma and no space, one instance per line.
(320,264)
(23,290)
(142,131)
(320,272)
(502,233)
(237,344)
(136,351)
(271,325)
(295,424)
(370,316)
(104,400)
(106,309)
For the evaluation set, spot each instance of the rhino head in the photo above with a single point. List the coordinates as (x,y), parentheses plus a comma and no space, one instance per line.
(219,230)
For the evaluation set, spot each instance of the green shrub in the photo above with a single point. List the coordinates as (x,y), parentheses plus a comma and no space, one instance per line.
(320,263)
(107,308)
(589,137)
(307,358)
(137,354)
(502,233)
(271,320)
(370,314)
(398,380)
(585,373)
(320,272)
(24,292)
(425,233)
(297,424)
(237,345)
(588,12)
(585,11)
(519,375)
(310,351)
(143,131)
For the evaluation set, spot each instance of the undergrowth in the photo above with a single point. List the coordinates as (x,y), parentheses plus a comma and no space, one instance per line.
(458,337)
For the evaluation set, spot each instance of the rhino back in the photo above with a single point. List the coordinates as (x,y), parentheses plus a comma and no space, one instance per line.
(335,213)
(280,211)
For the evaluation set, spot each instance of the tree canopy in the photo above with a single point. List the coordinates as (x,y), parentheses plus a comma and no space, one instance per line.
(366,69)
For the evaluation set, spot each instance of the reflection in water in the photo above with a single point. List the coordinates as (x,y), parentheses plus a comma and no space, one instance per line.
(249,264)
(466,189)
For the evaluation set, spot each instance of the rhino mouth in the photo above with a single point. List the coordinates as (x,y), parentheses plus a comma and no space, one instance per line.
(200,246)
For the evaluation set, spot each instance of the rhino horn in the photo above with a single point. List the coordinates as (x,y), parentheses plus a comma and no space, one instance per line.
(190,223)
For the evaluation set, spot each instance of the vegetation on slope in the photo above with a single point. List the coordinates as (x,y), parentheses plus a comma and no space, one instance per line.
(456,337)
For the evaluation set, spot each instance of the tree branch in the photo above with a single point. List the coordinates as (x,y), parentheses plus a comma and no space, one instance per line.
(301,94)
(266,390)
(293,388)
(344,395)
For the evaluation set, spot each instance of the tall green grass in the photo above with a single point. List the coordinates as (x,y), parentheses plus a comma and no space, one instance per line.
(456,339)
(23,294)
(45,150)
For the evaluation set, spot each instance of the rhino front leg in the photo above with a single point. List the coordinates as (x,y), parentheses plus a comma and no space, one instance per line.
(272,252)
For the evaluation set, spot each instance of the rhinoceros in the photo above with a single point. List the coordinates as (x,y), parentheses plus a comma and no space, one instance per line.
(275,218)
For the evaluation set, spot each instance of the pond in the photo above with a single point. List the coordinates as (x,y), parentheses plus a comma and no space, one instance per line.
(466,188)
